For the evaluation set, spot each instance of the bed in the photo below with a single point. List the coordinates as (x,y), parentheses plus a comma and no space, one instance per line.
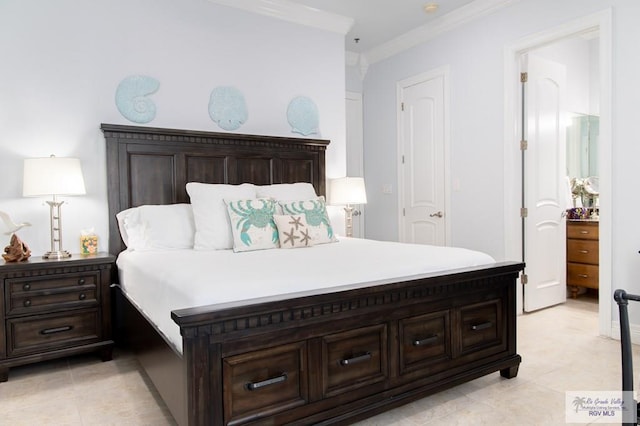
(326,353)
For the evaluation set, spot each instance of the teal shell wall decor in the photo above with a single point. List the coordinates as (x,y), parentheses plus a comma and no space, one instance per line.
(227,107)
(132,98)
(302,114)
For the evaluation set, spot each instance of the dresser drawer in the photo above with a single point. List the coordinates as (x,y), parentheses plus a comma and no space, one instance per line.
(40,294)
(583,275)
(425,340)
(583,251)
(266,381)
(48,332)
(354,358)
(481,326)
(583,230)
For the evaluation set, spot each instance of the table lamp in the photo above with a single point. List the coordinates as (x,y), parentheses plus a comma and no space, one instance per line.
(348,191)
(53,176)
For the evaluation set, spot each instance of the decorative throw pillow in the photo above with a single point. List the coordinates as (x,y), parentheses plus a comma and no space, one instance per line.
(252,224)
(293,231)
(315,213)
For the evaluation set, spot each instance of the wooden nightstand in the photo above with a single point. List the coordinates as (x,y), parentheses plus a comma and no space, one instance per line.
(54,308)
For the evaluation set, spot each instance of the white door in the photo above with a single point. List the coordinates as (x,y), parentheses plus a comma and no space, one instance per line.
(545,174)
(423,128)
(355,153)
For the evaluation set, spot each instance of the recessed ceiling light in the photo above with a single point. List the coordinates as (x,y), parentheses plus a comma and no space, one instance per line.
(431,7)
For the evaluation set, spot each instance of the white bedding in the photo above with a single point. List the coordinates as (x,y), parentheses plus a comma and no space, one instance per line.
(159,282)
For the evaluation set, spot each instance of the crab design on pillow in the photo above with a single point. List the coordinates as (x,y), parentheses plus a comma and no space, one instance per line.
(257,213)
(315,214)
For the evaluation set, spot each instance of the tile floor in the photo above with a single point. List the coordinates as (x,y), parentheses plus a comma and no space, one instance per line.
(559,346)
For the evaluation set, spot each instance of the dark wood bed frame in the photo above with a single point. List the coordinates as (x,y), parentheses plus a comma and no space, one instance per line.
(317,358)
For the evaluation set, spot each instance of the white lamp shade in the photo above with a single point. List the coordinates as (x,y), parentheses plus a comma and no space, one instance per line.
(347,190)
(52,176)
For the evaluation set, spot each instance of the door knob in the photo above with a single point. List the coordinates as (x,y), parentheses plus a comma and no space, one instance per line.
(436,214)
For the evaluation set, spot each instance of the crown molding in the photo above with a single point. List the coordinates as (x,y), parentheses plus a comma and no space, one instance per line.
(456,18)
(293,12)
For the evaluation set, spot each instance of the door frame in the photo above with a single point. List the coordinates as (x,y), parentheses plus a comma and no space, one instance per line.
(444,72)
(512,166)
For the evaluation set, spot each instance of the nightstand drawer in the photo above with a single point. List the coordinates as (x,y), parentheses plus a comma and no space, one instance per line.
(51,282)
(49,332)
(32,302)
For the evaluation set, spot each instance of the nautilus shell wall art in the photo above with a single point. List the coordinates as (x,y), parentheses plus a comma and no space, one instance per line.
(302,114)
(227,107)
(133,98)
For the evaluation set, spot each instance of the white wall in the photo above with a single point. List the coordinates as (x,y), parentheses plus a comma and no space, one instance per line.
(62,61)
(475,54)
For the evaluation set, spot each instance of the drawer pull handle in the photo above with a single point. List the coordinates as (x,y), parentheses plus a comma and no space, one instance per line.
(584,232)
(477,327)
(26,287)
(268,382)
(82,296)
(356,359)
(55,330)
(81,281)
(427,341)
(584,251)
(583,275)
(27,303)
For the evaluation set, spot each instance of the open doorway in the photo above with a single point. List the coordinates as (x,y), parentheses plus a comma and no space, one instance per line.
(549,43)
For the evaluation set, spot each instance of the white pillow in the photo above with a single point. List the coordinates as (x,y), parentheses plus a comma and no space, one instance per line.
(157,227)
(213,229)
(315,213)
(252,224)
(286,191)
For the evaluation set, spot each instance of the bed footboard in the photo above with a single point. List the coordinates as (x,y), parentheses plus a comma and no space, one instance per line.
(335,358)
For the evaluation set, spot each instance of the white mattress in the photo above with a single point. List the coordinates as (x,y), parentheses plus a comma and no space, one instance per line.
(159,282)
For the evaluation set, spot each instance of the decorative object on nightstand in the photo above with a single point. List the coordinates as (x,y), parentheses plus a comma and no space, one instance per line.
(51,309)
(348,191)
(17,250)
(53,176)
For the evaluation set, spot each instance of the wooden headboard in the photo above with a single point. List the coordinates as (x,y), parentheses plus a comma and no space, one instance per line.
(170,158)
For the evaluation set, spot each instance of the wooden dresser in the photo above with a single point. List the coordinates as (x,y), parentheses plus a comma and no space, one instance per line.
(54,308)
(582,255)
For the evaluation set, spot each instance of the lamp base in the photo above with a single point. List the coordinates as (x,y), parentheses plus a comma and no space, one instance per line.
(56,254)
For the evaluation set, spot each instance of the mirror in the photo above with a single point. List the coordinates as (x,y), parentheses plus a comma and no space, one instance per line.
(582,145)
(582,159)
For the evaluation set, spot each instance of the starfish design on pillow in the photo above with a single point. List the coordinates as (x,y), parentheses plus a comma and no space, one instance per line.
(306,238)
(296,222)
(290,237)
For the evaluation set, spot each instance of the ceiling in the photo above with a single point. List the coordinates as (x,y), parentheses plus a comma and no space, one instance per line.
(382,28)
(379,21)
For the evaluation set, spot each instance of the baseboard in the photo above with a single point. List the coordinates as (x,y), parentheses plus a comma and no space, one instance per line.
(634,332)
